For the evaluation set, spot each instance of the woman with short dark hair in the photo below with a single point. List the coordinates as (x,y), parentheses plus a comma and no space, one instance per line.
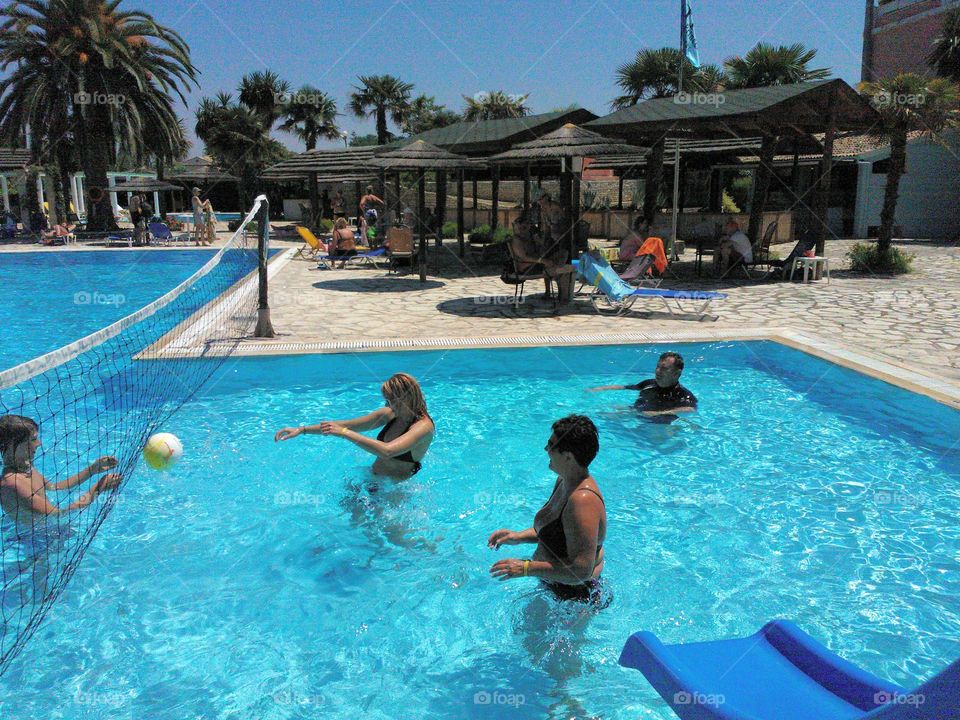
(569,530)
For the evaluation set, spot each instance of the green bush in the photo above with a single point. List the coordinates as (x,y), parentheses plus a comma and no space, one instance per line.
(502,234)
(481,234)
(449,230)
(727,205)
(866,257)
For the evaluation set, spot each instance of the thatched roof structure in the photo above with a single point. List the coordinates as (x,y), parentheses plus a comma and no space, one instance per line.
(420,155)
(201,169)
(328,164)
(568,141)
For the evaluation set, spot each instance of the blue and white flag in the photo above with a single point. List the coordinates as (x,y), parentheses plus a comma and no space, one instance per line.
(688,37)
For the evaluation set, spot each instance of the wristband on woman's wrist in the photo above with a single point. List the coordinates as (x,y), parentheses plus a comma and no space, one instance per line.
(526,568)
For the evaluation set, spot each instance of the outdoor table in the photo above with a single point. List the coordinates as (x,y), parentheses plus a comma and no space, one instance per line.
(811,264)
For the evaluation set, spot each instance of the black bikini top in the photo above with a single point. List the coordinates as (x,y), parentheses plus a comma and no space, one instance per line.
(408,455)
(552,534)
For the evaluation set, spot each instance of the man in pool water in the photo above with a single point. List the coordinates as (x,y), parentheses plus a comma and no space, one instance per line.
(663,396)
(23,490)
(570,528)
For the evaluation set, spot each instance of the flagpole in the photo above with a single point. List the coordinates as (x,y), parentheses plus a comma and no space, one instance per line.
(676,149)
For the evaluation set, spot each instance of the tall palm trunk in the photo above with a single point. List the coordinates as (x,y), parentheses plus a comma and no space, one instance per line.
(96,162)
(381,126)
(654,180)
(898,162)
(761,186)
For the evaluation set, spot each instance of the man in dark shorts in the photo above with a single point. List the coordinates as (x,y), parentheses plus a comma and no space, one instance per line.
(663,396)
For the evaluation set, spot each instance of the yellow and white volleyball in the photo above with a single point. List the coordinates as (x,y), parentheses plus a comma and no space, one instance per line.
(162,451)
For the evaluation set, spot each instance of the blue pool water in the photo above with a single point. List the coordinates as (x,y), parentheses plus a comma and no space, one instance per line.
(263,580)
(53,298)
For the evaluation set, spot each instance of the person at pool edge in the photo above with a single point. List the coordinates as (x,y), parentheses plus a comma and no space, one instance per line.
(663,395)
(23,490)
(407,430)
(569,530)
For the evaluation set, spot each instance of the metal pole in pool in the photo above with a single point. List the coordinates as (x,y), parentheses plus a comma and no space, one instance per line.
(264,326)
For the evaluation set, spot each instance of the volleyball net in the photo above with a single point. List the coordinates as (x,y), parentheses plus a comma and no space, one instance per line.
(73,422)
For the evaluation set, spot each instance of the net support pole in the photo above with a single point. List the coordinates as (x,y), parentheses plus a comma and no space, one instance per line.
(421,211)
(264,326)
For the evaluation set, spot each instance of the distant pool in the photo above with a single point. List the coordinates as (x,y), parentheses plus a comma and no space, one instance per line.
(221,216)
(265,580)
(52,298)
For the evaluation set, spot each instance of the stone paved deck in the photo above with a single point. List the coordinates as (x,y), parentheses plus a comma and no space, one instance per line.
(912,321)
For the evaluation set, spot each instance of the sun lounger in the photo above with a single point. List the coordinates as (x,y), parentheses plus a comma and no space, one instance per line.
(312,246)
(614,295)
(781,673)
(364,258)
(162,235)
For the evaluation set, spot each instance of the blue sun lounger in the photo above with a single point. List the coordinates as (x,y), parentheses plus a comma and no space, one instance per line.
(781,673)
(612,294)
(367,258)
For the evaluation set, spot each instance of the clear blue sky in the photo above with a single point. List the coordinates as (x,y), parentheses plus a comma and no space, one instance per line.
(559,51)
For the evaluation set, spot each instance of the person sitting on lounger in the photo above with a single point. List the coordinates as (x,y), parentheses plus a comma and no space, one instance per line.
(407,430)
(23,490)
(734,247)
(570,529)
(343,242)
(663,395)
(634,239)
(57,232)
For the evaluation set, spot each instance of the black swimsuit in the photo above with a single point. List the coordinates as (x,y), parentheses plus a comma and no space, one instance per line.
(405,457)
(554,539)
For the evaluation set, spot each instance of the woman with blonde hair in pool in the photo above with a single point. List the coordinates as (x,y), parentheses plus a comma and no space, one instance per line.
(407,430)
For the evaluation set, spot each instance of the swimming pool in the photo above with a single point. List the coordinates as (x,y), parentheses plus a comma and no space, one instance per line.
(263,580)
(54,297)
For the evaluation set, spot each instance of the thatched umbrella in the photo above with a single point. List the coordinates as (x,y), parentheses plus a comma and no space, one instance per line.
(200,170)
(562,145)
(326,165)
(567,141)
(143,184)
(422,156)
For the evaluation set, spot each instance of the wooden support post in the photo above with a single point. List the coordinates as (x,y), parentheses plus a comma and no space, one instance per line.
(460,228)
(359,194)
(399,190)
(620,193)
(475,198)
(826,167)
(526,186)
(312,221)
(441,209)
(421,210)
(495,187)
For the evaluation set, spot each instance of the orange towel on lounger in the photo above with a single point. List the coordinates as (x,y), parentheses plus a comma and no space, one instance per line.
(654,246)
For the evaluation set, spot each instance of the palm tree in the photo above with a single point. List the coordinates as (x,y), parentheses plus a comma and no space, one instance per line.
(655,74)
(424,113)
(110,71)
(311,115)
(235,136)
(765,65)
(495,105)
(907,103)
(266,94)
(379,96)
(945,56)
